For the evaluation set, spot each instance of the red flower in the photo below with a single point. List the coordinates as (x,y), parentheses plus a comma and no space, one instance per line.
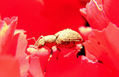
(101,47)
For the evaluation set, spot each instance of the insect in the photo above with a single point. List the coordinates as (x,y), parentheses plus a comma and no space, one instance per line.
(65,38)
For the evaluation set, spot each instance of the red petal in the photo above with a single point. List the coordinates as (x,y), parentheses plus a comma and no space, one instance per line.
(43,55)
(21,45)
(75,67)
(110,8)
(10,20)
(7,33)
(84,2)
(20,53)
(85,31)
(17,47)
(9,67)
(104,46)
(35,67)
(96,17)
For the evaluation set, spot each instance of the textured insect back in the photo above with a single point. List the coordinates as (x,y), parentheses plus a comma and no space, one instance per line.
(50,40)
(67,36)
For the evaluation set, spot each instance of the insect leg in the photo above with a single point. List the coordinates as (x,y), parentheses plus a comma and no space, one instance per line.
(51,53)
(38,40)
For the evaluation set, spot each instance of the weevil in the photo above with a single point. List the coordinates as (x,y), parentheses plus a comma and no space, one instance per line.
(65,38)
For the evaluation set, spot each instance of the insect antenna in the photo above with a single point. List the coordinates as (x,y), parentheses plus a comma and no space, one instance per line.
(38,40)
(32,38)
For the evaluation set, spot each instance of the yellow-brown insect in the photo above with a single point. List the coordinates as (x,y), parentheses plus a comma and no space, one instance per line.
(64,37)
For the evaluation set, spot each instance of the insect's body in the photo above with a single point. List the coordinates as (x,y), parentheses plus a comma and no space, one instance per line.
(65,38)
(68,38)
(46,40)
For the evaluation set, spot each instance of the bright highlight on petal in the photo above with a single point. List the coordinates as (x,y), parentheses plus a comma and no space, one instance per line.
(4,29)
(100,8)
(6,33)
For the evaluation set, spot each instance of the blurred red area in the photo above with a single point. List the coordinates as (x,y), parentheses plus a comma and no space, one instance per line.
(9,67)
(43,18)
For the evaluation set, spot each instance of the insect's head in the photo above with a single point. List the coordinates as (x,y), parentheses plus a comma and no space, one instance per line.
(40,42)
